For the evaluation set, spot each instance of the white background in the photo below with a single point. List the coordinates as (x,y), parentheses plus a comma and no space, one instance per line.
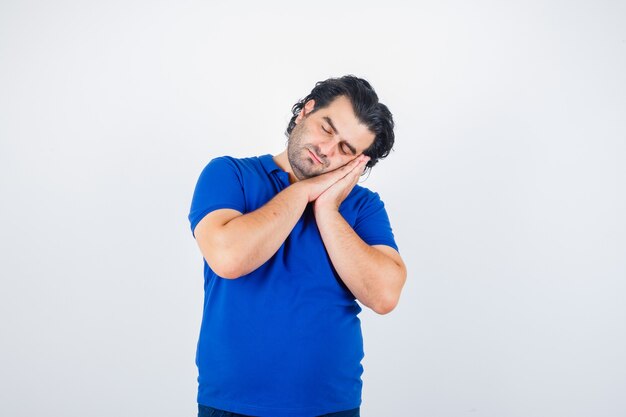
(506,191)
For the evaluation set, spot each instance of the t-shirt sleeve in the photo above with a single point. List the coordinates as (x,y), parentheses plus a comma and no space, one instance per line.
(220,186)
(372,223)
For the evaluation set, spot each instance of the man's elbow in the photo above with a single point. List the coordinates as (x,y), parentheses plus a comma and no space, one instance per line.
(217,250)
(225,266)
(227,272)
(385,307)
(389,300)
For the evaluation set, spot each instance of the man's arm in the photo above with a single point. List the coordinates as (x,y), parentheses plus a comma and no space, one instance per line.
(374,274)
(235,244)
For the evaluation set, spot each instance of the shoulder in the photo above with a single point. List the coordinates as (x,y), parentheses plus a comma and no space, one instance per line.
(361,196)
(366,213)
(231,161)
(238,165)
(360,201)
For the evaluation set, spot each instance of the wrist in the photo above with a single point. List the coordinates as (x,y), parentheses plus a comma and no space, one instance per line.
(325,208)
(302,190)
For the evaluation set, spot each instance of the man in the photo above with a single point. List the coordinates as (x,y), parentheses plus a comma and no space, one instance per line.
(289,241)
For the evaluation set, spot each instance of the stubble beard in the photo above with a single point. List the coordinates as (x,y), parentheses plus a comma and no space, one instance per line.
(300,166)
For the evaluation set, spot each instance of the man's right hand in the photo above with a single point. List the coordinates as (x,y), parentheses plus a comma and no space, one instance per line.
(320,183)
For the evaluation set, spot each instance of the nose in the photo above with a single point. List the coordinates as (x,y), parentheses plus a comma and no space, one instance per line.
(327,147)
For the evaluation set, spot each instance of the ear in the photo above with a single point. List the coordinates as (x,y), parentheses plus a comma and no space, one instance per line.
(308,108)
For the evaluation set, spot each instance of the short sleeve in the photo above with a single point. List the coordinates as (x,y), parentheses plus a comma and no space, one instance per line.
(220,186)
(372,223)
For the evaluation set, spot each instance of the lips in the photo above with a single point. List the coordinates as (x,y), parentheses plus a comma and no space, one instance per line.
(314,157)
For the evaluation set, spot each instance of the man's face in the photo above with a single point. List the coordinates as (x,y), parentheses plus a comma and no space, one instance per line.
(326,139)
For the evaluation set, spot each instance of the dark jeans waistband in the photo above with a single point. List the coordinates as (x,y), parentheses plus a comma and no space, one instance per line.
(206,411)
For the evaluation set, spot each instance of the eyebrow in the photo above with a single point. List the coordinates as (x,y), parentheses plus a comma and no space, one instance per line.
(330,122)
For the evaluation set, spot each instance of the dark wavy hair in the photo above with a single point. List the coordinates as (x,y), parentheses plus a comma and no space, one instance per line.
(368,110)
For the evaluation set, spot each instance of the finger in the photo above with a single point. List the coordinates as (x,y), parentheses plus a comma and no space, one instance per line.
(341,172)
(338,173)
(349,181)
(359,161)
(353,176)
(350,165)
(359,168)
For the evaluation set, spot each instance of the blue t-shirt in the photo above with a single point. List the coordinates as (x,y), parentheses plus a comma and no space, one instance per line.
(285,339)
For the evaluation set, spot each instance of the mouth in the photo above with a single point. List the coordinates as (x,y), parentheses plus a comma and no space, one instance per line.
(314,157)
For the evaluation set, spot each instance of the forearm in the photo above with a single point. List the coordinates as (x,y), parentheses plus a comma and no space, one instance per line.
(249,240)
(374,278)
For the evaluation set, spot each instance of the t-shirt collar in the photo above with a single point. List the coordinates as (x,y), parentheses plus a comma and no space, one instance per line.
(272,168)
(268,164)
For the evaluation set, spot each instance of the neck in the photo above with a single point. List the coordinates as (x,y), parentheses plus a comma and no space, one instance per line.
(282,160)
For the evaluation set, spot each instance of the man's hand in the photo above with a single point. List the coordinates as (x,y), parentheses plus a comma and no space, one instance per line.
(334,195)
(317,185)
